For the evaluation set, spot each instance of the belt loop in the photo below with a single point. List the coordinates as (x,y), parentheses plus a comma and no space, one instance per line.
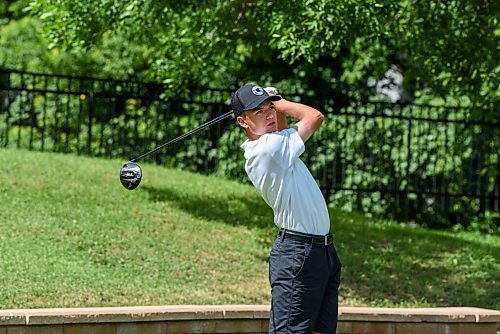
(283,232)
(326,240)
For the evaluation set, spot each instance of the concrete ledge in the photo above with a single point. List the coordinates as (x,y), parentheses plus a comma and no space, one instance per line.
(437,314)
(131,314)
(241,319)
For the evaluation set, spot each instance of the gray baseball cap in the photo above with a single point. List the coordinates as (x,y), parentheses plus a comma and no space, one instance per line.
(249,97)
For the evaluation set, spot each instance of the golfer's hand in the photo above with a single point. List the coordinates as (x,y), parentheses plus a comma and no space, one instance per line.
(271,90)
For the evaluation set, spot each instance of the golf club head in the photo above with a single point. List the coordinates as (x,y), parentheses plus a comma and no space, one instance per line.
(130,175)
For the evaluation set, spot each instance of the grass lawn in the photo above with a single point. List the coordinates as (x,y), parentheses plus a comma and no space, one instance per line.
(72,236)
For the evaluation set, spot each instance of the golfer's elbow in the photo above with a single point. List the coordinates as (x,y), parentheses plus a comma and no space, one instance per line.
(308,125)
(318,119)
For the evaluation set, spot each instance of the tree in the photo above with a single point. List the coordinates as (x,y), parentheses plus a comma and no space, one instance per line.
(23,47)
(449,47)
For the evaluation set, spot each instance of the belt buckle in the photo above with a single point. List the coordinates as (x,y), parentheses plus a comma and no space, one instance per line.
(326,240)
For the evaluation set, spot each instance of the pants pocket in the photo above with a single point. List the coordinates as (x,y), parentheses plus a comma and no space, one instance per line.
(299,259)
(287,260)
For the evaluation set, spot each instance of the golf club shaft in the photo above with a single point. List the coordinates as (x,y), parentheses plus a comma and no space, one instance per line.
(215,120)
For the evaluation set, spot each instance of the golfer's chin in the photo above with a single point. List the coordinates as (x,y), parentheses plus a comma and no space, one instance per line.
(272,127)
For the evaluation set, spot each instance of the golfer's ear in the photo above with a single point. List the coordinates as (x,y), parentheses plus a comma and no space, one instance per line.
(242,121)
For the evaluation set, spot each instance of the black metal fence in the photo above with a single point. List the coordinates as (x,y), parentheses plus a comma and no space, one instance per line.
(435,165)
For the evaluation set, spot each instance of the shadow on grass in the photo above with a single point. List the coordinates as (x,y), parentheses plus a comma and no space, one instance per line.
(383,264)
(392,265)
(249,211)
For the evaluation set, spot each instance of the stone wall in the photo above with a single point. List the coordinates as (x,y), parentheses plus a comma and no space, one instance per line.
(240,319)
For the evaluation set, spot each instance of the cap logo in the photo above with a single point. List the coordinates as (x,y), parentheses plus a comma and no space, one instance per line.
(256,90)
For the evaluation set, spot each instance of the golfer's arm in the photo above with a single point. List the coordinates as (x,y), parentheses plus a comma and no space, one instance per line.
(309,119)
(282,121)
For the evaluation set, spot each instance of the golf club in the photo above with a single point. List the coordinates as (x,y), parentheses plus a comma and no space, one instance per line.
(131,173)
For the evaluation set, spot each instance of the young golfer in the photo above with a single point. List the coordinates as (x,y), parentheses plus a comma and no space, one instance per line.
(304,269)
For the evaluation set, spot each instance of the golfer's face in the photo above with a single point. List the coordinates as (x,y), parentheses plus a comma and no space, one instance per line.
(262,119)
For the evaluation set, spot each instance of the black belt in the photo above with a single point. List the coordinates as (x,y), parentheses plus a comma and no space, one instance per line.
(308,239)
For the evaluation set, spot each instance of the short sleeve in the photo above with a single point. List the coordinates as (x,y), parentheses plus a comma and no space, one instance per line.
(285,147)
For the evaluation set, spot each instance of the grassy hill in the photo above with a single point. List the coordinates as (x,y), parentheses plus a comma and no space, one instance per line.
(72,236)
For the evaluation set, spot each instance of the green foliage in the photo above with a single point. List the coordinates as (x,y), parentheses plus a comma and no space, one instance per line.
(449,46)
(404,151)
(24,47)
(230,153)
(12,10)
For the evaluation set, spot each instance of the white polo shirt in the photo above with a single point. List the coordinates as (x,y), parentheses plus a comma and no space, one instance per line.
(285,183)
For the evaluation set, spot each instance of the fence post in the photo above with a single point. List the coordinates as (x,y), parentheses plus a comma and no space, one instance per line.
(407,190)
(7,103)
(91,113)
